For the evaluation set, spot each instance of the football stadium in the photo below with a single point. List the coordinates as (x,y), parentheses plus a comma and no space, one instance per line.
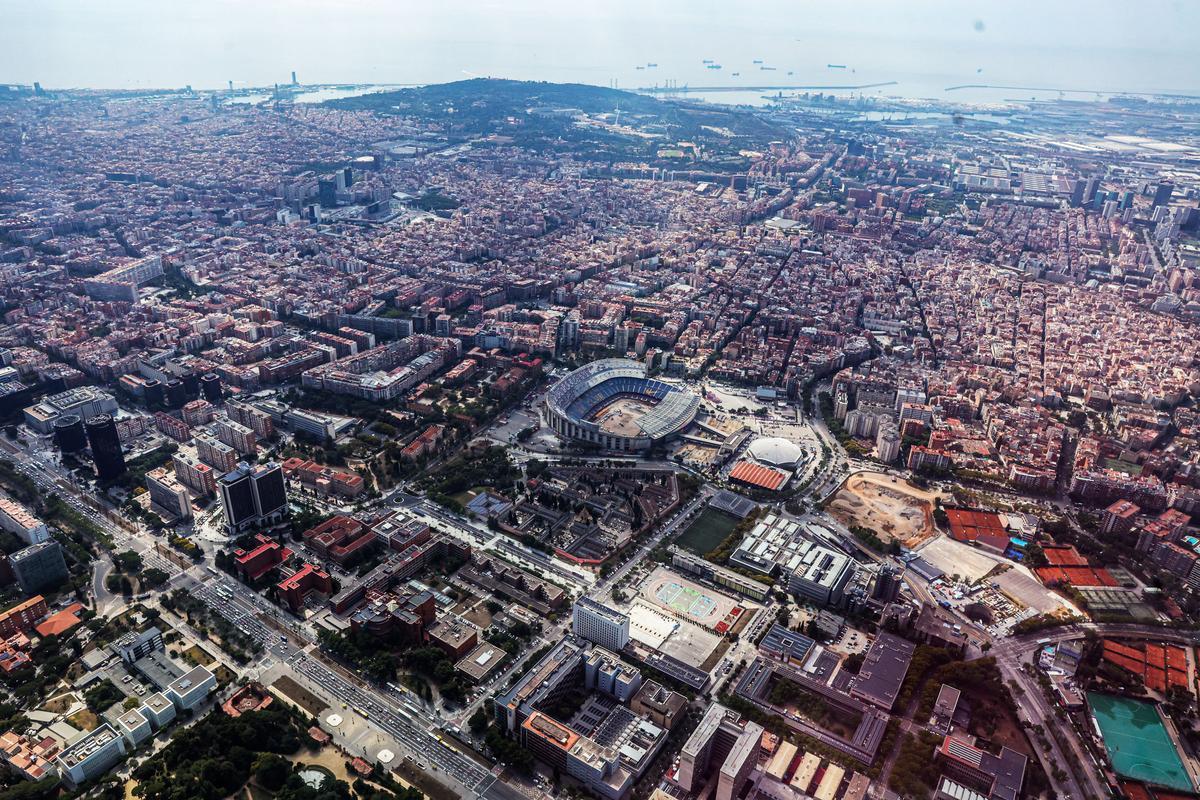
(612,404)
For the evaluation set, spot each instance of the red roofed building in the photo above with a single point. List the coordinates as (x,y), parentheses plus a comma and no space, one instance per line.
(324,480)
(758,476)
(505,386)
(33,759)
(425,443)
(341,539)
(251,697)
(1118,518)
(59,623)
(922,459)
(1165,528)
(14,652)
(295,588)
(252,565)
(23,616)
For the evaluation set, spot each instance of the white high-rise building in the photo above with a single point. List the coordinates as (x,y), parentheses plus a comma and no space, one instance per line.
(598,623)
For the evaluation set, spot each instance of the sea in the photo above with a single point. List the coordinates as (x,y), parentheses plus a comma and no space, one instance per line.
(963,51)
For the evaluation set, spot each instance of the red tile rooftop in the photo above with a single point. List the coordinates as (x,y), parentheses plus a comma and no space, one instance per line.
(758,475)
(61,622)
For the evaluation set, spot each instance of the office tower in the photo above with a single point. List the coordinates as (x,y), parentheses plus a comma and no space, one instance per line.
(39,566)
(176,393)
(106,447)
(154,393)
(1126,199)
(598,623)
(1162,194)
(1089,190)
(327,193)
(69,435)
(887,585)
(191,384)
(1077,193)
(253,496)
(294,81)
(210,387)
(348,173)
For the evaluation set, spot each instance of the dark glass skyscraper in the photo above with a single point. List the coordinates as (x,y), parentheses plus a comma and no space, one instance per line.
(253,496)
(106,447)
(69,434)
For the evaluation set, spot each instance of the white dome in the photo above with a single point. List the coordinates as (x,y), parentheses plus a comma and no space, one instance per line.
(777,451)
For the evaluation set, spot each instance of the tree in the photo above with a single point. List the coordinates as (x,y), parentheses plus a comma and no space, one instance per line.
(478,722)
(154,577)
(271,771)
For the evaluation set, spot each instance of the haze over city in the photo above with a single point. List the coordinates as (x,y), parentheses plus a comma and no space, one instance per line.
(924,46)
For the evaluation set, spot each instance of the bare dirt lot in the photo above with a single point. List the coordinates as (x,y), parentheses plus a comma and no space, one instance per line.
(893,508)
(299,695)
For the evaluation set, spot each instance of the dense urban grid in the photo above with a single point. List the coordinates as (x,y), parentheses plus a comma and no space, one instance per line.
(510,440)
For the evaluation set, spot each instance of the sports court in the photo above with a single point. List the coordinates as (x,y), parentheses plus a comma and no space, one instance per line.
(1137,741)
(685,600)
(690,602)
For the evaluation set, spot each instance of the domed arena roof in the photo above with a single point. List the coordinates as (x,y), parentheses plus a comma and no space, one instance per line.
(776,451)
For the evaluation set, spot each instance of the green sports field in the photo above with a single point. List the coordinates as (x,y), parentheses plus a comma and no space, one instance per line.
(1137,741)
(706,532)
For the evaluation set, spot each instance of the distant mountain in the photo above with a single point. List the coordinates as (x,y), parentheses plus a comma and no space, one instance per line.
(498,94)
(525,111)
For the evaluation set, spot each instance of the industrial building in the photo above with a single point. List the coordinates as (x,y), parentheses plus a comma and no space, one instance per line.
(811,569)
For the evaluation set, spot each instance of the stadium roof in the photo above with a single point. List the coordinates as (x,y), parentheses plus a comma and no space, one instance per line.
(599,382)
(777,451)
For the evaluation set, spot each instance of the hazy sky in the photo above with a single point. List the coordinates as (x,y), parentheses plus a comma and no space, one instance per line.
(1148,45)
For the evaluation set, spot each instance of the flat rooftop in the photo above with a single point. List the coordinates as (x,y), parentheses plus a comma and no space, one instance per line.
(883,670)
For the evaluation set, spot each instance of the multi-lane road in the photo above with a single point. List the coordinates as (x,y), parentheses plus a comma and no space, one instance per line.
(386,710)
(414,733)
